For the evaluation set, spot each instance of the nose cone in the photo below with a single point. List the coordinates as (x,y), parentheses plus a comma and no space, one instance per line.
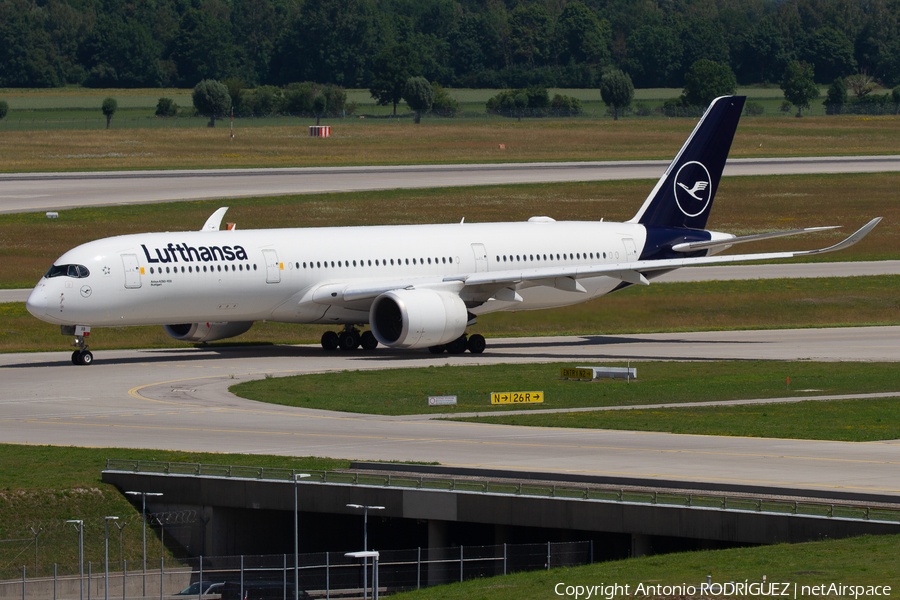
(37,302)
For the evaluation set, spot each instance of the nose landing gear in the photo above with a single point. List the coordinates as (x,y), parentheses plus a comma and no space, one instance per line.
(81,356)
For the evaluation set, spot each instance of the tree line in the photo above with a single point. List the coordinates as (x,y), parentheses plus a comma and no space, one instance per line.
(514,44)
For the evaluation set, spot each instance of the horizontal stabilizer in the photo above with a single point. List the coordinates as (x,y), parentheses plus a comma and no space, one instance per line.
(706,245)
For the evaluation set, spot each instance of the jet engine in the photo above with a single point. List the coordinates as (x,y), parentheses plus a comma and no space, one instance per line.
(207,332)
(417,318)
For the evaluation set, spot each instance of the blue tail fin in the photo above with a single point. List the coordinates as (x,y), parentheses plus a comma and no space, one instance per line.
(684,195)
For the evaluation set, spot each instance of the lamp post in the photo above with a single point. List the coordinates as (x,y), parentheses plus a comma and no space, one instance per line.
(365,539)
(106,556)
(366,555)
(297,477)
(144,532)
(78,524)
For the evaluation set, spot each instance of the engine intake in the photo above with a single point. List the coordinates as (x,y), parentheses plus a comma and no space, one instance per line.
(417,318)
(207,332)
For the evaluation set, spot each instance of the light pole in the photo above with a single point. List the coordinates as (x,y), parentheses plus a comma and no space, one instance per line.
(144,533)
(366,555)
(106,556)
(365,539)
(297,477)
(78,524)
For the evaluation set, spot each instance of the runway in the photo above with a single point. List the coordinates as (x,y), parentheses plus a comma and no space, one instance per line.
(29,192)
(177,399)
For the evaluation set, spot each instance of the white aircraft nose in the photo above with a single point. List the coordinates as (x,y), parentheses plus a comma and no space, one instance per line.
(37,302)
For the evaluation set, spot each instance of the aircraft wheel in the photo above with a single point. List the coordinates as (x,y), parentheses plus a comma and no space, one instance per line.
(75,357)
(457,346)
(330,341)
(437,349)
(367,341)
(85,358)
(348,340)
(476,344)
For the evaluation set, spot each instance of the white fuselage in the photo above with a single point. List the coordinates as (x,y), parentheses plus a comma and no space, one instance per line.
(249,275)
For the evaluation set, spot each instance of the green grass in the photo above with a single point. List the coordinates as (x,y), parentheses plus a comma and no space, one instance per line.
(866,561)
(845,420)
(43,486)
(405,391)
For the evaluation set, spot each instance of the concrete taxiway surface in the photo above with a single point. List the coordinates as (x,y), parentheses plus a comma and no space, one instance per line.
(24,192)
(178,399)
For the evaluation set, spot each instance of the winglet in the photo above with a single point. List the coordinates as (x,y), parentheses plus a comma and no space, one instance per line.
(215,220)
(846,243)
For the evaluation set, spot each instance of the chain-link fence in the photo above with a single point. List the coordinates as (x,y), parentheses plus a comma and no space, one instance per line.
(271,577)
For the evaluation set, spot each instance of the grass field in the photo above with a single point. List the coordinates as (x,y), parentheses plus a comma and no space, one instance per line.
(405,391)
(285,142)
(845,420)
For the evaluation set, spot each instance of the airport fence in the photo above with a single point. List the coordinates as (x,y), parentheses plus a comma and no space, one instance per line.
(271,577)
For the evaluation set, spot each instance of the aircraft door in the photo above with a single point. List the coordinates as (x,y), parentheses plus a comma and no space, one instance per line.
(480,257)
(273,267)
(132,271)
(630,249)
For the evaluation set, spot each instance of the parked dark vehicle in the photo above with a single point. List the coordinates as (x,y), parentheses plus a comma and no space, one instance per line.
(208,588)
(260,590)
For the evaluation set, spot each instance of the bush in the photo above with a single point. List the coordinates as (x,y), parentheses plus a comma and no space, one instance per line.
(786,106)
(443,102)
(566,105)
(166,107)
(4,108)
(537,101)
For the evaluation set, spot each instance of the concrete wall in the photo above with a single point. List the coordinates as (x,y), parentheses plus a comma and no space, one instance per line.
(68,588)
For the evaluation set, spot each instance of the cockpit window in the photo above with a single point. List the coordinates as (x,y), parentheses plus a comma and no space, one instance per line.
(74,271)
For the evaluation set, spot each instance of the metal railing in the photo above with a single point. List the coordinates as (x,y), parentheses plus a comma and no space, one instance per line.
(705,501)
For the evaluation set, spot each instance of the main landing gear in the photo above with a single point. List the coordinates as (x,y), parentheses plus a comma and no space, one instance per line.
(349,339)
(473,343)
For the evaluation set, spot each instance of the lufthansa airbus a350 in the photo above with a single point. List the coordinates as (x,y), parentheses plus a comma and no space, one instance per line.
(416,286)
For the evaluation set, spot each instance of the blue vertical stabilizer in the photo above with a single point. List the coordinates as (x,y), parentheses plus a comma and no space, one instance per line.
(684,195)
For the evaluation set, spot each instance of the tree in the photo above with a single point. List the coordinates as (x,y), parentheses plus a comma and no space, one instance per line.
(798,85)
(832,52)
(203,48)
(211,99)
(861,84)
(583,37)
(521,101)
(419,95)
(837,97)
(390,70)
(166,107)
(654,56)
(4,108)
(707,80)
(616,90)
(109,107)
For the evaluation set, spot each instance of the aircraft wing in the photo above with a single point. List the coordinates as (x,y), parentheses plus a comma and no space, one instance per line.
(565,278)
(633,272)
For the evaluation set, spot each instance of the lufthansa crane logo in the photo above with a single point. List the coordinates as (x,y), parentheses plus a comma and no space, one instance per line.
(692,188)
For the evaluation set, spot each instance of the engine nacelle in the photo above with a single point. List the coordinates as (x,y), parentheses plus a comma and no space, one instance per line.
(207,332)
(417,318)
